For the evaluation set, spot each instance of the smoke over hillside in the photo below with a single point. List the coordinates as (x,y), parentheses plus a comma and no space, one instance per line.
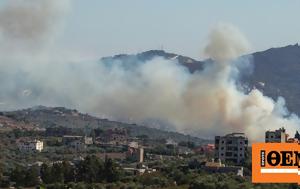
(210,101)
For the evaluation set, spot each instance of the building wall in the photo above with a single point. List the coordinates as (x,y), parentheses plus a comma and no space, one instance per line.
(277,136)
(141,155)
(231,147)
(31,146)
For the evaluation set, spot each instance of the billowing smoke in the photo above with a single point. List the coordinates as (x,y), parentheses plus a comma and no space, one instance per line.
(206,102)
(27,24)
(226,43)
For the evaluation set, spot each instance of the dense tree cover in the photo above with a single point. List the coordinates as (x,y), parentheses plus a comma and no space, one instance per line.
(60,131)
(25,176)
(230,181)
(94,173)
(3,182)
(163,150)
(90,170)
(18,133)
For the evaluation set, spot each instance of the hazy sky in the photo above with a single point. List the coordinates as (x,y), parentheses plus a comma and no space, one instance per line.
(96,28)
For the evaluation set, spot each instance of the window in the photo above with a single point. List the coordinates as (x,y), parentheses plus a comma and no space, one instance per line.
(228,153)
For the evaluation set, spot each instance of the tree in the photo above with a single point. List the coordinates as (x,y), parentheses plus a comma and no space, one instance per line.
(57,173)
(4,183)
(1,173)
(68,172)
(32,176)
(18,175)
(297,135)
(46,174)
(98,132)
(110,170)
(90,170)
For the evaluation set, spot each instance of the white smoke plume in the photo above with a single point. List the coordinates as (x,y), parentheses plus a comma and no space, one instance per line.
(208,102)
(27,24)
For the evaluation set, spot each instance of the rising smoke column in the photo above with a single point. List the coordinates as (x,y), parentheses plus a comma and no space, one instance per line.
(207,102)
(28,29)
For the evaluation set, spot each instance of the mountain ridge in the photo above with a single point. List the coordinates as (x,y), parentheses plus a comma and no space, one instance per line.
(276,70)
(39,117)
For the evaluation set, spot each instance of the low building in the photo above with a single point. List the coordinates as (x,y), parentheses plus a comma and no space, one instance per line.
(171,142)
(277,136)
(293,140)
(115,136)
(69,139)
(37,164)
(205,149)
(231,147)
(155,157)
(88,140)
(183,150)
(218,167)
(139,170)
(31,146)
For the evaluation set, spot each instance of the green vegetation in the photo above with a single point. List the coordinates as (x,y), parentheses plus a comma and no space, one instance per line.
(59,166)
(90,170)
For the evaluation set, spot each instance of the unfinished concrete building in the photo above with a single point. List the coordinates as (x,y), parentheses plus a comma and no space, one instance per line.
(277,136)
(231,147)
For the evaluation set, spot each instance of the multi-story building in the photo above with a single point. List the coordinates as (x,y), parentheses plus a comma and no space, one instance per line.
(277,136)
(31,146)
(135,152)
(231,147)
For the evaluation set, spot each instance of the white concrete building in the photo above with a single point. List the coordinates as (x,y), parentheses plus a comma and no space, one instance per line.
(170,141)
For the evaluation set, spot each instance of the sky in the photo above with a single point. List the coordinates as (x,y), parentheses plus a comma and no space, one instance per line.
(97,28)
